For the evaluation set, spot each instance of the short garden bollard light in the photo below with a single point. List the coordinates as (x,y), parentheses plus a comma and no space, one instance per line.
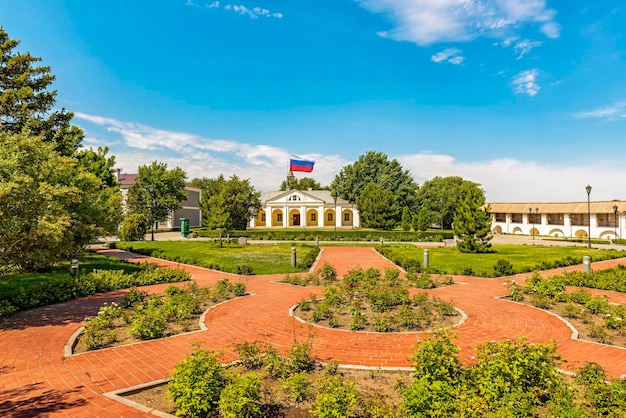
(293,257)
(74,267)
(586,264)
(381,241)
(426,258)
(317,241)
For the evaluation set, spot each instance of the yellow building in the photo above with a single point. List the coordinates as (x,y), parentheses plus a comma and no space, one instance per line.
(311,208)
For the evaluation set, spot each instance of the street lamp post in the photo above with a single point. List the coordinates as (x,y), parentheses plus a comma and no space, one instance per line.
(588,189)
(335,219)
(536,213)
(616,220)
(530,218)
(150,206)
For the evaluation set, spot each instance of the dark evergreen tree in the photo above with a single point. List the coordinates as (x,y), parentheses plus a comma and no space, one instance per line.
(406,219)
(472,222)
(377,207)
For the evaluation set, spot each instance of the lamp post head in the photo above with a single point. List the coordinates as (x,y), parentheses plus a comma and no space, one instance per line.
(536,210)
(588,189)
(615,209)
(530,210)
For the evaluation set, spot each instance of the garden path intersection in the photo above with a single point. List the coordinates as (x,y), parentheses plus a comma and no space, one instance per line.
(37,380)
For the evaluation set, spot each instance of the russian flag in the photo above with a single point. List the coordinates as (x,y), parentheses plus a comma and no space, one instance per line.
(300,163)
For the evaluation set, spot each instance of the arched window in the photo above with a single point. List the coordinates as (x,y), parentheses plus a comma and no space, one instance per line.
(294,198)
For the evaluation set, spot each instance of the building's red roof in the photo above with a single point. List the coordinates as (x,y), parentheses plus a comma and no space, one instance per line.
(128,179)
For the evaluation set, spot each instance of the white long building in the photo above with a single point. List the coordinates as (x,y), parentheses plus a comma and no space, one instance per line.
(604,219)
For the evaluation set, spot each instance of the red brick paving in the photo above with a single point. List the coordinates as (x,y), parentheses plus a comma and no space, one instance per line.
(35,379)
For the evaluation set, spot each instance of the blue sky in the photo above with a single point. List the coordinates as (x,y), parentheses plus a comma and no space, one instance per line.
(525,97)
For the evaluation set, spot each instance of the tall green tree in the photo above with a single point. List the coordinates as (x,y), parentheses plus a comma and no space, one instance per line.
(58,211)
(157,192)
(228,203)
(305,183)
(472,222)
(375,167)
(377,207)
(442,196)
(26,103)
(423,219)
(406,219)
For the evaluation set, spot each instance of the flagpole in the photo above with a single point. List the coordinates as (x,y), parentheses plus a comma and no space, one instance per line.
(288,163)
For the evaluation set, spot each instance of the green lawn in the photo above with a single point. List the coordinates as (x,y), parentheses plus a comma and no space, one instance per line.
(522,257)
(11,283)
(262,259)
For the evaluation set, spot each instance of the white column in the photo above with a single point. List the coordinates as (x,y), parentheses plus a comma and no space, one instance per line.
(303,216)
(253,221)
(338,216)
(286,217)
(320,216)
(355,218)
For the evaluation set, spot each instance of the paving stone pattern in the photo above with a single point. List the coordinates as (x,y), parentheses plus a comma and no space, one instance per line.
(36,380)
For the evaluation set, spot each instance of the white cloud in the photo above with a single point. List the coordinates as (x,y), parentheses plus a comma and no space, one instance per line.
(613,112)
(450,55)
(526,82)
(266,165)
(427,22)
(252,13)
(511,180)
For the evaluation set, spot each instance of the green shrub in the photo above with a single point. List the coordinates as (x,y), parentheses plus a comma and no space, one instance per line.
(597,305)
(245,270)
(250,355)
(242,396)
(328,272)
(134,227)
(149,324)
(298,385)
(383,323)
(503,268)
(335,398)
(134,297)
(358,320)
(196,383)
(300,359)
(97,334)
(238,288)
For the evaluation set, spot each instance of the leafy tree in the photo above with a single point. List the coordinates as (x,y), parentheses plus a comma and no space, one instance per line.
(34,196)
(472,222)
(25,100)
(229,203)
(442,195)
(69,201)
(134,227)
(158,192)
(377,207)
(375,167)
(98,163)
(423,219)
(406,219)
(304,183)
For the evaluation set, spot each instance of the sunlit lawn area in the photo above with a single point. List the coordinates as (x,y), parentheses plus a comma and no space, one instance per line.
(522,257)
(262,259)
(11,283)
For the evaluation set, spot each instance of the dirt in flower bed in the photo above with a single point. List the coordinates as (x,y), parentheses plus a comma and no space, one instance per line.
(375,385)
(141,317)
(594,317)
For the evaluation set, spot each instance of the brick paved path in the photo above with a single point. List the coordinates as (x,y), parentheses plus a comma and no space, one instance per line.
(35,379)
